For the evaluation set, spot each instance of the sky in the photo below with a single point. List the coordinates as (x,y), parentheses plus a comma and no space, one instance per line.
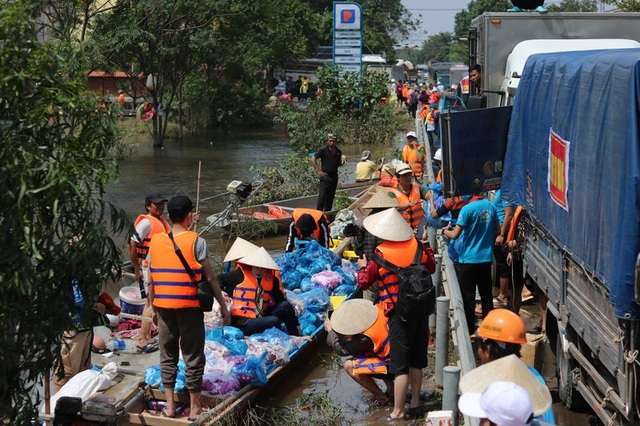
(438,16)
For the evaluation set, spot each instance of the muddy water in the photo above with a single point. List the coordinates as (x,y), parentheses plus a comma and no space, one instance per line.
(227,156)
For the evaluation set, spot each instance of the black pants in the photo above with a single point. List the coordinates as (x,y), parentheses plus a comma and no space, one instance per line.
(469,276)
(282,312)
(327,192)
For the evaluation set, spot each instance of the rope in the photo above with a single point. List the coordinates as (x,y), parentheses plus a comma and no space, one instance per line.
(612,420)
(606,398)
(631,356)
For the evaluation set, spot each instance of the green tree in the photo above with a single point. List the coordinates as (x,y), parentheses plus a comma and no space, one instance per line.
(625,5)
(438,46)
(250,37)
(475,8)
(574,6)
(160,40)
(55,225)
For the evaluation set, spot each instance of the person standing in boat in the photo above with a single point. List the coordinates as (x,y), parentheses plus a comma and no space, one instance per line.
(258,300)
(331,158)
(307,225)
(174,297)
(146,226)
(358,329)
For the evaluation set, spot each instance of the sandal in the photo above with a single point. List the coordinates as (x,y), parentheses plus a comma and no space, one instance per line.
(417,412)
(99,351)
(147,349)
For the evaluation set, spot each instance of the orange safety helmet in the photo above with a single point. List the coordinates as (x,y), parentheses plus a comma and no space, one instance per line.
(503,325)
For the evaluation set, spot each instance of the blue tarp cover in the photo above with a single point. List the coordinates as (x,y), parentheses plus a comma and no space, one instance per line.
(590,99)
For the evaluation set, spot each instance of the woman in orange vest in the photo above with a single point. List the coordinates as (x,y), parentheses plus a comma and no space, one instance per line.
(408,340)
(358,329)
(258,300)
(174,295)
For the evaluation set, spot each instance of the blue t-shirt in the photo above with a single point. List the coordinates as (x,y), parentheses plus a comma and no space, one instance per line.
(500,204)
(548,415)
(478,220)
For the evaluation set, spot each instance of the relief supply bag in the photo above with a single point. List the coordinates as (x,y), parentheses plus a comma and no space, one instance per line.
(417,294)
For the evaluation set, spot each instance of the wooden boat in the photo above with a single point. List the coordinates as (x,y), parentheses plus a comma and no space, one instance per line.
(276,216)
(125,402)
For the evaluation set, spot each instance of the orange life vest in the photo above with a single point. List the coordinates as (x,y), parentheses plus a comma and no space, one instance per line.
(158,226)
(439,177)
(376,362)
(511,235)
(317,215)
(388,180)
(401,254)
(244,294)
(172,285)
(413,215)
(410,156)
(423,112)
(278,212)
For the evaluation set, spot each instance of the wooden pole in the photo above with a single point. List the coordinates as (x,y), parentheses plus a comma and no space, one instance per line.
(47,394)
(198,194)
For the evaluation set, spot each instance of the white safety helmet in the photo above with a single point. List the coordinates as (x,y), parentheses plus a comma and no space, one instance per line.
(438,155)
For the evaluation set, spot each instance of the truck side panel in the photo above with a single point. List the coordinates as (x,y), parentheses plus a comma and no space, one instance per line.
(590,100)
(494,35)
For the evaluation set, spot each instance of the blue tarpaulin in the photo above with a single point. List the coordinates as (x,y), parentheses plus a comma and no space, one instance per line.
(589,99)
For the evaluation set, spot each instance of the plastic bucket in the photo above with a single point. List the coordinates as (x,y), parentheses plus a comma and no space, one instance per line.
(130,301)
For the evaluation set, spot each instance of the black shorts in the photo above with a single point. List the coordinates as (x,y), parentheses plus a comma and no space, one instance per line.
(502,269)
(409,341)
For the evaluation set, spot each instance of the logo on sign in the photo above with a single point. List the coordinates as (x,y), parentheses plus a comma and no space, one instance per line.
(558,178)
(348,16)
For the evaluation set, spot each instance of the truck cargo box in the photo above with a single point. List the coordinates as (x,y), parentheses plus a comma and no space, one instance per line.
(573,161)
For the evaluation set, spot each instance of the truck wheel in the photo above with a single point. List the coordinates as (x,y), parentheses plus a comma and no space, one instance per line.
(568,374)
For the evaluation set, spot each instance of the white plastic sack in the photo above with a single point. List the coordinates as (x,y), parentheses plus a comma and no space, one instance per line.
(343,218)
(86,383)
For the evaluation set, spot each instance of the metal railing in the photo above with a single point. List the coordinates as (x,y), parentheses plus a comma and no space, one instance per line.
(459,329)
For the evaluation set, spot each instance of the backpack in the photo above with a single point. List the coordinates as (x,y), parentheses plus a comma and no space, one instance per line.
(417,294)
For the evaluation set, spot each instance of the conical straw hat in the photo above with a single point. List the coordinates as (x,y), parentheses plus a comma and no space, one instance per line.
(353,317)
(239,248)
(381,200)
(508,369)
(260,258)
(388,225)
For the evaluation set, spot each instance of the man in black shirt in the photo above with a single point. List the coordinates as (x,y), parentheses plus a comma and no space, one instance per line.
(331,158)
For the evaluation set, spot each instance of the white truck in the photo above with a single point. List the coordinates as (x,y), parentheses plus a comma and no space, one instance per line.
(502,42)
(573,161)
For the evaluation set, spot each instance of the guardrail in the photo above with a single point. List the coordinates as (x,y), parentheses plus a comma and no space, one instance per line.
(459,329)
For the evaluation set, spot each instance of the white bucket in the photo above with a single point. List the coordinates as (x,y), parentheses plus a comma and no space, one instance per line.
(130,301)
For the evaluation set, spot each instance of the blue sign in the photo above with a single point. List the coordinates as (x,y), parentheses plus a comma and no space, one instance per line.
(474,143)
(347,16)
(347,36)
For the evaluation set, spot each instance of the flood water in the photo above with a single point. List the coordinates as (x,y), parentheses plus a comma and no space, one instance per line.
(227,156)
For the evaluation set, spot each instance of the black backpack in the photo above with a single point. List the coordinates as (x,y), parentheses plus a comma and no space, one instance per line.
(417,294)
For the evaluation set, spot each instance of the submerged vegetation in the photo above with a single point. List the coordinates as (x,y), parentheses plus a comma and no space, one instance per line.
(314,408)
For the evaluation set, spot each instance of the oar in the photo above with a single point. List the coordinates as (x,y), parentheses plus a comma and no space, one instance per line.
(198,194)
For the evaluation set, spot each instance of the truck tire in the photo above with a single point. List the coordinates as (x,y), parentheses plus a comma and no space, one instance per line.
(568,374)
